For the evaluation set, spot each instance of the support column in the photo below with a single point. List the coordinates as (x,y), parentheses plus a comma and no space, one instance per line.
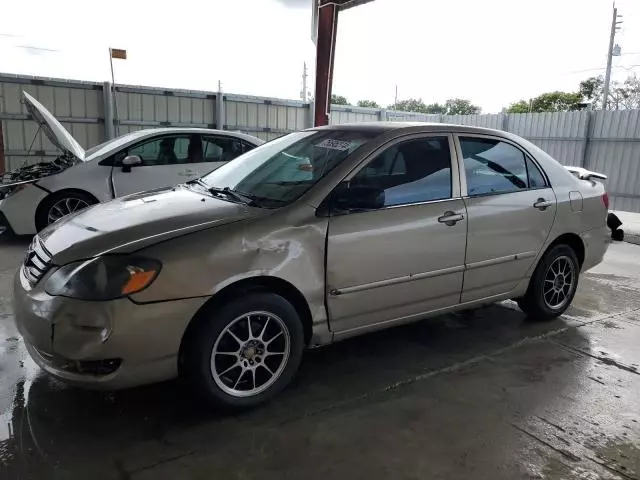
(220,120)
(325,50)
(107,103)
(2,163)
(588,129)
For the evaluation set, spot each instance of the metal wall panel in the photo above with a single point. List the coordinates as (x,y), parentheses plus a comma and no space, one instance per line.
(78,103)
(343,114)
(608,142)
(146,107)
(396,116)
(615,151)
(487,121)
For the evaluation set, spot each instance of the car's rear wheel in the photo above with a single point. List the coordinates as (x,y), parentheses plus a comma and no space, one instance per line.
(553,284)
(245,352)
(60,205)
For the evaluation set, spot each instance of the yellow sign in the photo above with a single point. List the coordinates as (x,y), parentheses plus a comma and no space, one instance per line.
(118,53)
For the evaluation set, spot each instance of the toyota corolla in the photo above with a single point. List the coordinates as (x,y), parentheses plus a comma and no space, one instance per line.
(312,238)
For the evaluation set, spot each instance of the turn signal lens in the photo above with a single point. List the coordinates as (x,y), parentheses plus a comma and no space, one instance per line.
(139,279)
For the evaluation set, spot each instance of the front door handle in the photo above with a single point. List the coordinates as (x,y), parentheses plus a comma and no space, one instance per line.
(542,204)
(186,173)
(450,218)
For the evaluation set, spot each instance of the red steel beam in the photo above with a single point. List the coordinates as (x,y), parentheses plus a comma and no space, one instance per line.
(325,49)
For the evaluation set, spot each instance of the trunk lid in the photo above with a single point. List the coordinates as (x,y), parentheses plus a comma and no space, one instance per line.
(53,129)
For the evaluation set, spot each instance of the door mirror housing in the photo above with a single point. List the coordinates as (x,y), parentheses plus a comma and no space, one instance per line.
(130,161)
(355,197)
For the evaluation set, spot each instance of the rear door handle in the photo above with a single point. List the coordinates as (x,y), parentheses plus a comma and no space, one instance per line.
(450,218)
(542,204)
(186,173)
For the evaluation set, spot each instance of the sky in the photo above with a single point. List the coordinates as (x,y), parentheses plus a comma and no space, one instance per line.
(493,52)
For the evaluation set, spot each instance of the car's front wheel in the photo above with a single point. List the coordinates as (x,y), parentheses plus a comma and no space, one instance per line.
(245,352)
(553,284)
(60,205)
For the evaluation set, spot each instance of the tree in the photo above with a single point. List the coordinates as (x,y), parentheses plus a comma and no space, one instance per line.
(368,104)
(339,100)
(436,108)
(549,102)
(417,105)
(460,106)
(519,107)
(625,95)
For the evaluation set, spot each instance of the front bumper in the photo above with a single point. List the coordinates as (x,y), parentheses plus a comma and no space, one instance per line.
(105,345)
(5,226)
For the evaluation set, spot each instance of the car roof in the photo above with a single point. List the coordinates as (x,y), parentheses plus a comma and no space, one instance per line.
(380,127)
(230,133)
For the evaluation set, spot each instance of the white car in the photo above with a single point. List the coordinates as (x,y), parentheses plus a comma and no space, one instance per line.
(34,196)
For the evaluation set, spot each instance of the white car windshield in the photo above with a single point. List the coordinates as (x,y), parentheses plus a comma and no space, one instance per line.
(279,172)
(112,144)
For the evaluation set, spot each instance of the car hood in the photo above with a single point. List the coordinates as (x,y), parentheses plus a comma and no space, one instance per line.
(53,129)
(130,223)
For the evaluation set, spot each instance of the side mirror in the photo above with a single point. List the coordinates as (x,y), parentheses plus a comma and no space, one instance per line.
(359,198)
(130,161)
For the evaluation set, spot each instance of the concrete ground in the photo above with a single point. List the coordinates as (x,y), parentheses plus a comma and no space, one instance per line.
(479,395)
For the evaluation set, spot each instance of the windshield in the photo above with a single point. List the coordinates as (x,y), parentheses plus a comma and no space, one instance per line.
(109,145)
(279,172)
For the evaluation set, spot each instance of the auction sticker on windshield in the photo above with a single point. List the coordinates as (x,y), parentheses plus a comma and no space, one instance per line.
(334,144)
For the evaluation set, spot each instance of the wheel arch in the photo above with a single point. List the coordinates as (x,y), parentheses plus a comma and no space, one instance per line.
(58,193)
(242,287)
(572,240)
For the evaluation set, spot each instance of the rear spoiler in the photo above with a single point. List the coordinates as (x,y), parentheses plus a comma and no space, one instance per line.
(584,174)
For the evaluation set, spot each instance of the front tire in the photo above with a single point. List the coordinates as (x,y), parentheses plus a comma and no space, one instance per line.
(553,284)
(247,351)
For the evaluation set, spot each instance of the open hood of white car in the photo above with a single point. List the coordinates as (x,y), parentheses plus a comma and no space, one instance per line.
(53,129)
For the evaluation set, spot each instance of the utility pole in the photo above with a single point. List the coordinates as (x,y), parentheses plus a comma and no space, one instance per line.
(303,93)
(395,100)
(607,77)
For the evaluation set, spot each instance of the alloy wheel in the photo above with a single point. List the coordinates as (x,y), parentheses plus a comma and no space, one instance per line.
(64,207)
(250,354)
(559,281)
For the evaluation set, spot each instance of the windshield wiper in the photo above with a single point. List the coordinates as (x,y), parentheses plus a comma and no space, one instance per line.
(237,196)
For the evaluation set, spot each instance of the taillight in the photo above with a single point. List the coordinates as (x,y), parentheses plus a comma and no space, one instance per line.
(605,200)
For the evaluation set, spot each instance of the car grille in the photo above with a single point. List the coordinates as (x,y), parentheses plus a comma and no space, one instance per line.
(37,262)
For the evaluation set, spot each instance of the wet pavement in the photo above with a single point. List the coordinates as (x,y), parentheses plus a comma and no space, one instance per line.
(483,394)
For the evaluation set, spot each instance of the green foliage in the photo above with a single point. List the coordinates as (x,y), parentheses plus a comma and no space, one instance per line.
(519,107)
(453,106)
(625,95)
(549,102)
(461,106)
(339,100)
(368,104)
(410,105)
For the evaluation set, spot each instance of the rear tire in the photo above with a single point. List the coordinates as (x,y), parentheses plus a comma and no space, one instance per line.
(553,284)
(245,352)
(61,204)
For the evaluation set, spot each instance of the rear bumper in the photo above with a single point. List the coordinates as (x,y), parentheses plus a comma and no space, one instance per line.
(596,242)
(101,345)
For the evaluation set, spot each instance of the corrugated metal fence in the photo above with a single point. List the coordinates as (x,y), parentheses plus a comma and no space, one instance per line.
(608,142)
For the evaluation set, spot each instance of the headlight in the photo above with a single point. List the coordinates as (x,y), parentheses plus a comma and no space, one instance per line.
(103,278)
